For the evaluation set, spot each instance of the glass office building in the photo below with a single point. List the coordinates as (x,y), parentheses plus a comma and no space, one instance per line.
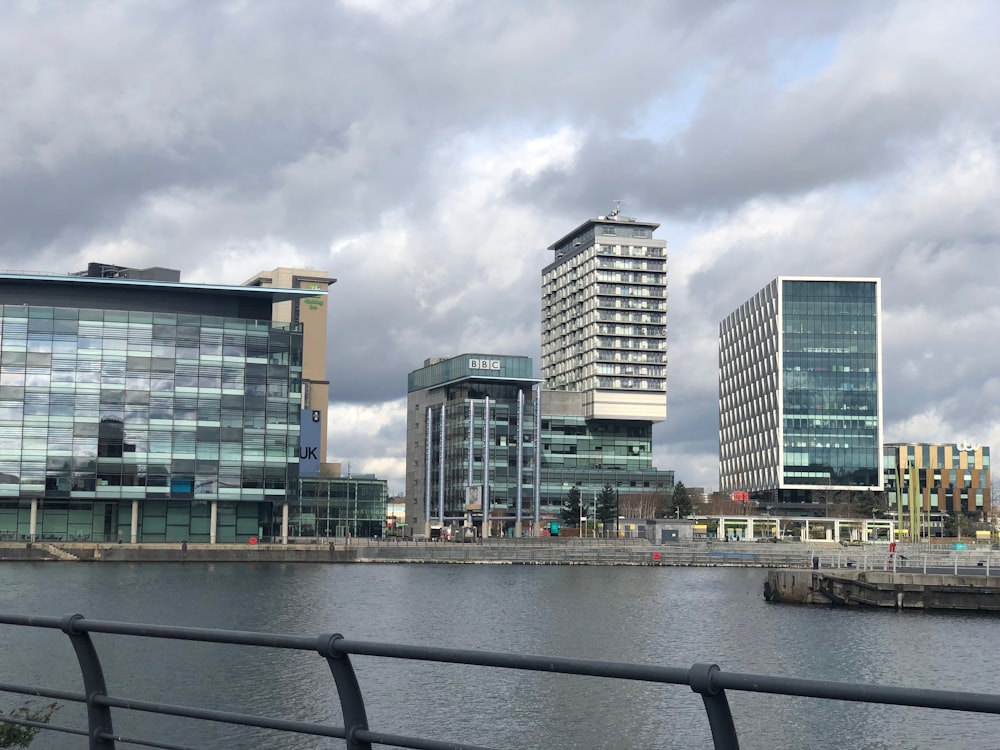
(471,427)
(800,391)
(472,451)
(330,507)
(591,454)
(145,411)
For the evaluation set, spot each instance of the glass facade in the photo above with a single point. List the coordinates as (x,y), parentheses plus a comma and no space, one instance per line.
(484,452)
(339,507)
(104,410)
(593,454)
(830,394)
(800,391)
(477,446)
(471,440)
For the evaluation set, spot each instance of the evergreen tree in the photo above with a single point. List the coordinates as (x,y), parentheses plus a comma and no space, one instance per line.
(867,505)
(680,502)
(956,524)
(570,511)
(607,504)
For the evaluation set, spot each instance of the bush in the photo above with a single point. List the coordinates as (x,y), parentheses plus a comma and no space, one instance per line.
(17,735)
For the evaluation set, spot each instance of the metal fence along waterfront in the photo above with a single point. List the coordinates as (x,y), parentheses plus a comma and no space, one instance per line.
(910,557)
(696,554)
(707,681)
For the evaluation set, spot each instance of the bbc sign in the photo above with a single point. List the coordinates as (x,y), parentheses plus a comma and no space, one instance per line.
(484,364)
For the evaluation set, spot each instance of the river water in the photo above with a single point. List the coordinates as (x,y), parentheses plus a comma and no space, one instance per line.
(665,616)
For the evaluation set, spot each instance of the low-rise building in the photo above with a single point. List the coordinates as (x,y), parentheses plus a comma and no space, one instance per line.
(926,482)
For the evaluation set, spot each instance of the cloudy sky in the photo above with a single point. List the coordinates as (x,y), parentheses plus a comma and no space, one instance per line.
(426,152)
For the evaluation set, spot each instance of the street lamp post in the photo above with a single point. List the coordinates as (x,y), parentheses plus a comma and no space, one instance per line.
(617,507)
(355,508)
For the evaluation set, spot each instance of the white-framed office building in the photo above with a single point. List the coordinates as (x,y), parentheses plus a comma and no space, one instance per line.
(800,392)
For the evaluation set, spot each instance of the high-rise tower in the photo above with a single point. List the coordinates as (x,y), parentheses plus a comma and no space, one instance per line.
(604,318)
(604,363)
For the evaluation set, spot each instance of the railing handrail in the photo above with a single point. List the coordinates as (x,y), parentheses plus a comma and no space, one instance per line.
(706,679)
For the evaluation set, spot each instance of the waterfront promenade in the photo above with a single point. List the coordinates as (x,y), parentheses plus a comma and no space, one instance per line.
(526,551)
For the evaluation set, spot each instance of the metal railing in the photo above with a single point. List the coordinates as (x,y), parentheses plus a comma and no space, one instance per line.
(911,558)
(707,680)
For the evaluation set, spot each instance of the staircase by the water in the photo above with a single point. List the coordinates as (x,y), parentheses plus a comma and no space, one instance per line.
(58,552)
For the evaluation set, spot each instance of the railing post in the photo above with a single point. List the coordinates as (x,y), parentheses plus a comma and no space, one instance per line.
(98,717)
(720,718)
(352,703)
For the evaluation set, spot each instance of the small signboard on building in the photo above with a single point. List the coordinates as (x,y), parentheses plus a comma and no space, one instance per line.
(310,430)
(474,497)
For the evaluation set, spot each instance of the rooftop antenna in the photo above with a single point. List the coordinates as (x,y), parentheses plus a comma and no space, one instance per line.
(616,210)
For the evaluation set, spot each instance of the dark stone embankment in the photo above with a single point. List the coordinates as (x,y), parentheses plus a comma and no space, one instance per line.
(873,588)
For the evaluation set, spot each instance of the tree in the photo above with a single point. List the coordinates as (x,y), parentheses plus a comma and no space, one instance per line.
(607,504)
(867,504)
(663,499)
(680,501)
(16,735)
(570,511)
(833,502)
(639,505)
(955,523)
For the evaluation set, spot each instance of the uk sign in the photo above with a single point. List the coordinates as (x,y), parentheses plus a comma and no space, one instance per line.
(310,432)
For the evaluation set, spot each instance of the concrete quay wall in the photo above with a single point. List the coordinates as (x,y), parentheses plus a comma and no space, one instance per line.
(868,588)
(498,552)
(108,552)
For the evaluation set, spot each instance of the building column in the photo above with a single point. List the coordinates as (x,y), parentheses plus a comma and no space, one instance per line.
(441,452)
(519,463)
(807,536)
(836,531)
(134,527)
(33,523)
(486,466)
(428,468)
(213,521)
(748,534)
(537,474)
(284,522)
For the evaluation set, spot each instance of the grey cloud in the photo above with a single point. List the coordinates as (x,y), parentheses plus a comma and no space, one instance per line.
(212,136)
